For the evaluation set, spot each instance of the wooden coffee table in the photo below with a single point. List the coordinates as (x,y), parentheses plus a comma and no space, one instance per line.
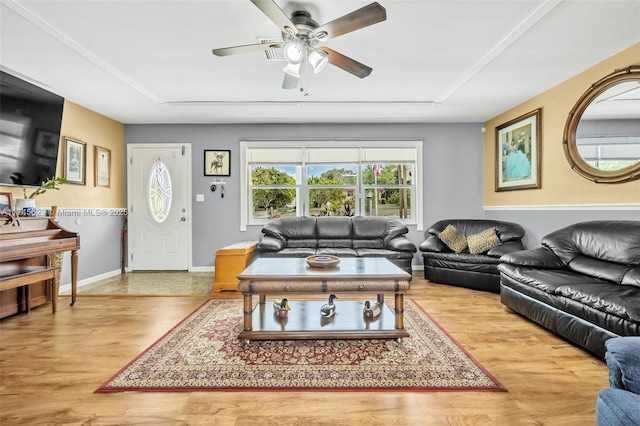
(290,277)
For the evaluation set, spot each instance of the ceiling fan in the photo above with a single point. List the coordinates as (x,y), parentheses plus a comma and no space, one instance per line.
(301,37)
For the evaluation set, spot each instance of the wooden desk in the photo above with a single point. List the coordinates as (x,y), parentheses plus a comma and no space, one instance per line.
(230,261)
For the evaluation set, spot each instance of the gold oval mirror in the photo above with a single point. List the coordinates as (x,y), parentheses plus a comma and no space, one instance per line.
(602,134)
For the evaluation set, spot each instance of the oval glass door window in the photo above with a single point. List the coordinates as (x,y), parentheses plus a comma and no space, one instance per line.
(159,191)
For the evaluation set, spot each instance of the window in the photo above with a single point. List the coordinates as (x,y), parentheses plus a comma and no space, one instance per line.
(313,178)
(159,192)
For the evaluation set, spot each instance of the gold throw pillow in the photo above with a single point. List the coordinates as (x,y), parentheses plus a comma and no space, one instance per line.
(483,241)
(453,238)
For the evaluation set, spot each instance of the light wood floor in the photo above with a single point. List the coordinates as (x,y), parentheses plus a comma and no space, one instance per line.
(51,364)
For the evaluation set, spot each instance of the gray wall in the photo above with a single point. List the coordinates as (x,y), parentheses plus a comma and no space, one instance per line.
(100,242)
(453,162)
(538,223)
(453,178)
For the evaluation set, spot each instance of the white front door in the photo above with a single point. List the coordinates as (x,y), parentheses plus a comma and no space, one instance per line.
(159,188)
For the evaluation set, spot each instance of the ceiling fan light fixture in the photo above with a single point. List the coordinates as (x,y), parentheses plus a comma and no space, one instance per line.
(293,52)
(293,70)
(318,59)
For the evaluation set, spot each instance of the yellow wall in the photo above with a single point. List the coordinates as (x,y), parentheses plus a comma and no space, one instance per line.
(94,129)
(559,184)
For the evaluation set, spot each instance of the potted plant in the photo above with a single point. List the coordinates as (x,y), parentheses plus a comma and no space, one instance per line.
(29,200)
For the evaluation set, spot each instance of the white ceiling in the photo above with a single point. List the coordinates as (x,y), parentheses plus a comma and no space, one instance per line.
(433,61)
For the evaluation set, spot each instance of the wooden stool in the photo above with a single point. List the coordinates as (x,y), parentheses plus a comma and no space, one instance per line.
(230,262)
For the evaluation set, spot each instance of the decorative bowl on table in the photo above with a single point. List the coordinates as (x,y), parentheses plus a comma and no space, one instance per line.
(322,261)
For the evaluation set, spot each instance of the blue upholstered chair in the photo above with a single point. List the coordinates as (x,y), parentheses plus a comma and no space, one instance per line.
(619,405)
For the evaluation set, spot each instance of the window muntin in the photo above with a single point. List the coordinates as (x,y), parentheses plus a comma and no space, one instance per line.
(159,192)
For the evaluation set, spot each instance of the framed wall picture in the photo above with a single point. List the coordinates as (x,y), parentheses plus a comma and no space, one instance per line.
(6,202)
(101,166)
(217,163)
(518,152)
(75,161)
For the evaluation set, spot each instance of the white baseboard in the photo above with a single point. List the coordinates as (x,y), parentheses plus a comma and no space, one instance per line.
(202,269)
(192,269)
(67,287)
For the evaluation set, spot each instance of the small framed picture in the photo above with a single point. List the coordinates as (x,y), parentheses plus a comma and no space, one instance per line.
(518,150)
(101,166)
(47,143)
(217,163)
(75,161)
(6,202)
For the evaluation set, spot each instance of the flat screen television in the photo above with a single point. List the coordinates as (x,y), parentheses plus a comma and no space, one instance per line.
(30,121)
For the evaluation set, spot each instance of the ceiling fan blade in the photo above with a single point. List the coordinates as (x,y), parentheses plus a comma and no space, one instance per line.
(273,12)
(226,51)
(290,82)
(349,65)
(363,17)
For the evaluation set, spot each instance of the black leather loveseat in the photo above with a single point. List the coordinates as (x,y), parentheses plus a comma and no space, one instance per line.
(467,265)
(340,236)
(583,283)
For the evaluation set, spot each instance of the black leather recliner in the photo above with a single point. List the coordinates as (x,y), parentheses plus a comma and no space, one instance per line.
(476,271)
(582,284)
(340,236)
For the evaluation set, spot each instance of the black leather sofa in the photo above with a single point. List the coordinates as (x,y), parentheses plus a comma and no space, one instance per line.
(340,236)
(477,271)
(583,283)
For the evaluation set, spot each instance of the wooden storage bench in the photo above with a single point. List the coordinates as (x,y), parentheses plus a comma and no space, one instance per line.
(23,276)
(230,262)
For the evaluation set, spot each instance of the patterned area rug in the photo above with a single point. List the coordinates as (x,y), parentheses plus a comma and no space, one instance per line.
(203,353)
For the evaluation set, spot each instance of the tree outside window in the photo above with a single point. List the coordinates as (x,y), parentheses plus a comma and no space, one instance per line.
(278,199)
